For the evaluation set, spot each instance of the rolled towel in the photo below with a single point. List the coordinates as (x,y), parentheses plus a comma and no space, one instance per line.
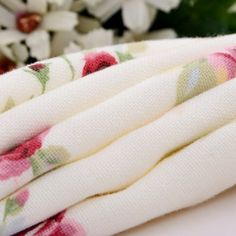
(34,116)
(116,133)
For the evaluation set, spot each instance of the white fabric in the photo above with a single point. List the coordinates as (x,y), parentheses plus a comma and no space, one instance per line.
(151,134)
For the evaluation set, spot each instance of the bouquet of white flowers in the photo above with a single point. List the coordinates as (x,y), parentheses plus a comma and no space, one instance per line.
(34,30)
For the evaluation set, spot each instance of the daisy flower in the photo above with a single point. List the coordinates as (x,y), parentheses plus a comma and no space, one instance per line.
(74,41)
(129,36)
(137,15)
(86,41)
(12,56)
(32,21)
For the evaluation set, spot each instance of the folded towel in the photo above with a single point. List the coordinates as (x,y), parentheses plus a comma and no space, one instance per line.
(100,141)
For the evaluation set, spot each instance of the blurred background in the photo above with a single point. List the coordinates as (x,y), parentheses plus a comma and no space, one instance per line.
(32,30)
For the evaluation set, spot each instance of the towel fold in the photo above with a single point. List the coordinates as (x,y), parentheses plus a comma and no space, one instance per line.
(97,142)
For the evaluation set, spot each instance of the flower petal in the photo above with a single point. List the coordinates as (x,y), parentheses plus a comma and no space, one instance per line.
(61,40)
(9,169)
(59,20)
(60,4)
(7,18)
(127,37)
(87,24)
(164,5)
(20,51)
(232,8)
(160,34)
(105,9)
(57,2)
(11,36)
(37,6)
(72,47)
(103,38)
(92,3)
(39,44)
(137,16)
(14,5)
(5,51)
(78,5)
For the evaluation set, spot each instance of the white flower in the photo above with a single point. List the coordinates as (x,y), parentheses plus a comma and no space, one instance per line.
(16,52)
(137,15)
(232,8)
(61,41)
(66,43)
(129,36)
(160,34)
(96,38)
(72,47)
(76,42)
(57,2)
(11,57)
(86,41)
(32,22)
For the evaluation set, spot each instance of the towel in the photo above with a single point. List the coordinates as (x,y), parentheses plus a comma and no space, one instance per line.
(100,141)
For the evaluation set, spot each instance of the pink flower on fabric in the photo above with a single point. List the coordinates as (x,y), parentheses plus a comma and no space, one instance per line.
(37,67)
(96,61)
(16,161)
(57,225)
(22,198)
(224,63)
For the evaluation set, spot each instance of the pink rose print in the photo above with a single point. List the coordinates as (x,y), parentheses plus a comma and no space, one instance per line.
(22,198)
(37,66)
(41,72)
(15,162)
(224,63)
(57,225)
(96,61)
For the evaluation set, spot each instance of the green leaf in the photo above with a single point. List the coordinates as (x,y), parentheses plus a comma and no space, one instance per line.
(9,104)
(70,66)
(38,166)
(42,75)
(195,78)
(11,208)
(124,56)
(48,158)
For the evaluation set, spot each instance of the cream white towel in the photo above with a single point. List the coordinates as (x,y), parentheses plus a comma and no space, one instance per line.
(151,135)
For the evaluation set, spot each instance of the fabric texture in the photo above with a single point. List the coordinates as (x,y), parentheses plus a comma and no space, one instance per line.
(97,142)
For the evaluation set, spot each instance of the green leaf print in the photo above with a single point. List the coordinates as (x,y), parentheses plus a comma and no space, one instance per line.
(11,208)
(15,204)
(48,158)
(41,72)
(72,69)
(195,78)
(124,56)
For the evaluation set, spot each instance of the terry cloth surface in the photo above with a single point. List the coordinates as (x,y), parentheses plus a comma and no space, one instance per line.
(100,141)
